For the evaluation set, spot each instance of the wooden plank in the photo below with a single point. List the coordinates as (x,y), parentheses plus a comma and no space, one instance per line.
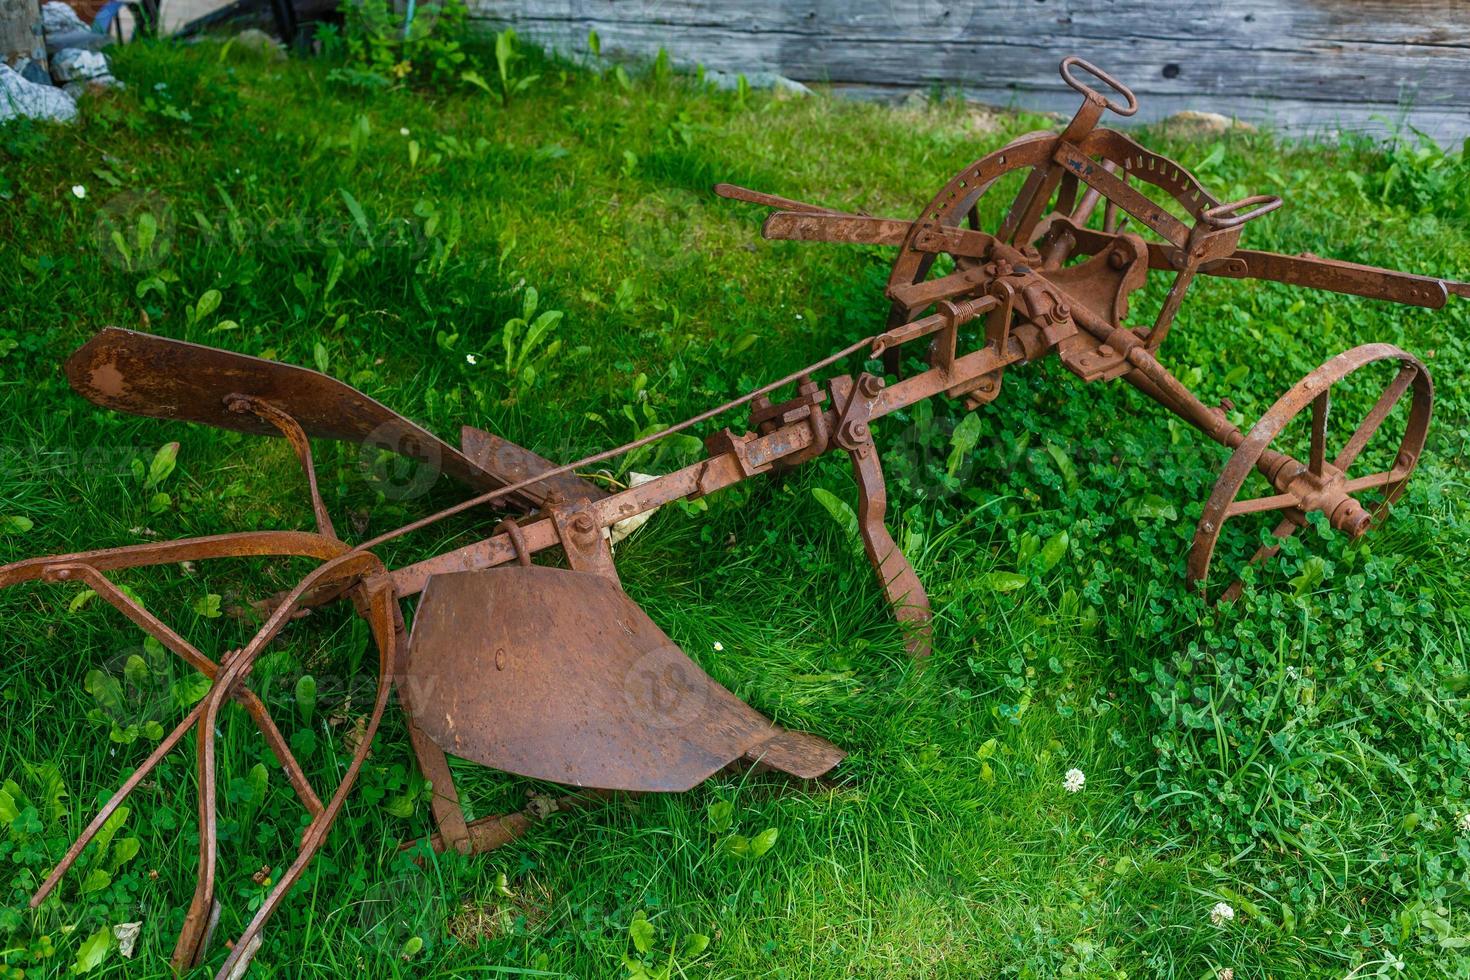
(1298,64)
(1385,22)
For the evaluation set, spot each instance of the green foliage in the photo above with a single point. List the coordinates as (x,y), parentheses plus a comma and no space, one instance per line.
(1420,176)
(507,68)
(527,343)
(647,961)
(378,42)
(102,886)
(152,687)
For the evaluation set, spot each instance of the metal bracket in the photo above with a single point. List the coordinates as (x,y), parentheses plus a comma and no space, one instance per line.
(300,444)
(805,407)
(583,539)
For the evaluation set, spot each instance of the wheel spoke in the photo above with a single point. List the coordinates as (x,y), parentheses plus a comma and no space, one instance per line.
(1376,480)
(1259,505)
(1321,406)
(1376,417)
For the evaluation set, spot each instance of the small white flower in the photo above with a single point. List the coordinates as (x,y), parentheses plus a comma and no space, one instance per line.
(78,191)
(800,317)
(471,359)
(403,131)
(1464,822)
(126,934)
(1221,914)
(1293,673)
(719,646)
(1228,973)
(1074,781)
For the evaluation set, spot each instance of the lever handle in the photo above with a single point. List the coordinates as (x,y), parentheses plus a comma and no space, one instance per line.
(1237,213)
(1092,94)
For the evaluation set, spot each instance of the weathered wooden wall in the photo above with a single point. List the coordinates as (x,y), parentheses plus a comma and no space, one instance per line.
(1300,65)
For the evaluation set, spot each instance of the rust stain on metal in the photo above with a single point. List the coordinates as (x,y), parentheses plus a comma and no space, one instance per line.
(108,380)
(556,673)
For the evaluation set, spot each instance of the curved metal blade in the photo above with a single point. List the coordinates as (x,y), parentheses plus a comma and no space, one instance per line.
(558,675)
(516,464)
(143,374)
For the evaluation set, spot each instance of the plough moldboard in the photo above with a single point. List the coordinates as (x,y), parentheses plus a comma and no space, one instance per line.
(555,673)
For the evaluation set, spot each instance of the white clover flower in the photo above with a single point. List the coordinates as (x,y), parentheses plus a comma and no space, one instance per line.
(1074,781)
(719,646)
(471,359)
(1227,973)
(1221,914)
(403,131)
(1464,822)
(78,191)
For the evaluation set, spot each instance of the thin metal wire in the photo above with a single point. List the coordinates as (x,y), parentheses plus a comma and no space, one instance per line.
(607,454)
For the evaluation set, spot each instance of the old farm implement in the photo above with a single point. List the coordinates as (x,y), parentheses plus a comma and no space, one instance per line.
(555,673)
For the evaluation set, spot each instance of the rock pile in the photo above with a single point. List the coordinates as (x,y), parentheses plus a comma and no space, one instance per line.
(77,63)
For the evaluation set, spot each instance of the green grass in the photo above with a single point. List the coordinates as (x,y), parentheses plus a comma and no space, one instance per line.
(1300,754)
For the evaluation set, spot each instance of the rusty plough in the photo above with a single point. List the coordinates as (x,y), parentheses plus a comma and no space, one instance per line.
(555,673)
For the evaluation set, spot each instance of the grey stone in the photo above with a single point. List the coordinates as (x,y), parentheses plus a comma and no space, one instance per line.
(86,40)
(81,87)
(57,17)
(257,41)
(19,97)
(729,80)
(75,64)
(1192,123)
(33,71)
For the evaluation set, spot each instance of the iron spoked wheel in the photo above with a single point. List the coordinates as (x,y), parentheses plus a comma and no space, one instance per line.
(1324,482)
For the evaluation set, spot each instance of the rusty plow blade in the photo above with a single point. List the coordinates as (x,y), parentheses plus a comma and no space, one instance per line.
(143,374)
(559,675)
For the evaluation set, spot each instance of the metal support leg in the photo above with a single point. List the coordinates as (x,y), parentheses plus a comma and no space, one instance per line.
(433,763)
(897,577)
(855,400)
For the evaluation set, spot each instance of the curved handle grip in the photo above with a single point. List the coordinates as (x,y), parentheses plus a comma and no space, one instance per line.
(1235,214)
(1091,94)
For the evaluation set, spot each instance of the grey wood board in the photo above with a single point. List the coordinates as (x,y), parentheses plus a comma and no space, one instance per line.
(1305,66)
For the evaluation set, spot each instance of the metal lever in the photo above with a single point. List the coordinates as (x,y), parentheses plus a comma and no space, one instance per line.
(1234,214)
(1093,95)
